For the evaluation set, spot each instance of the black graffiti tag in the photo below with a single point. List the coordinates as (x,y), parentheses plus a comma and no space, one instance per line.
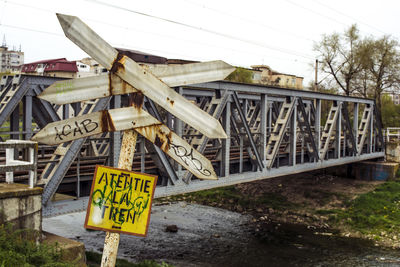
(79,128)
(188,158)
(133,209)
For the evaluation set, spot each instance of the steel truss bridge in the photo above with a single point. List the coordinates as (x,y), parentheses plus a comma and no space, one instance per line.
(271,132)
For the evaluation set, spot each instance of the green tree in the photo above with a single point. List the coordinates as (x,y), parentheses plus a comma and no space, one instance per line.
(241,75)
(390,112)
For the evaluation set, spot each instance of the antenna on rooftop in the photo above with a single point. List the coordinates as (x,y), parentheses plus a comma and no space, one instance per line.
(4,44)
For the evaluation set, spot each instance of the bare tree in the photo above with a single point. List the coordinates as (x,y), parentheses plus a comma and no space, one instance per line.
(339,57)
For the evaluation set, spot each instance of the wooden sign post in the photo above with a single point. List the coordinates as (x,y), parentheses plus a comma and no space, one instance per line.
(111,241)
(119,197)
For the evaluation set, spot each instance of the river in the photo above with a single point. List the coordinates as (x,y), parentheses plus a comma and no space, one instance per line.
(209,236)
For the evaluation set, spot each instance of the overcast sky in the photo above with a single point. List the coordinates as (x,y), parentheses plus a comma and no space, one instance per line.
(243,33)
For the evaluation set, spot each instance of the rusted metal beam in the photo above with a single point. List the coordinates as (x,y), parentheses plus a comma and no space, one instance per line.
(141,79)
(129,118)
(81,89)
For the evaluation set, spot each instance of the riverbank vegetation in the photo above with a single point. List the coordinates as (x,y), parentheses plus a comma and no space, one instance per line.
(348,207)
(18,248)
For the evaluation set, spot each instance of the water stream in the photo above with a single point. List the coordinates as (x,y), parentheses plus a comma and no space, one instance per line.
(210,236)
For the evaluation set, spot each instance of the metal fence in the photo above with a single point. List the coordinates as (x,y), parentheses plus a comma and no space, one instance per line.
(392,134)
(20,156)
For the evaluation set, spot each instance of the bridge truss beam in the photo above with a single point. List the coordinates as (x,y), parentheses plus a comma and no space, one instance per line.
(271,132)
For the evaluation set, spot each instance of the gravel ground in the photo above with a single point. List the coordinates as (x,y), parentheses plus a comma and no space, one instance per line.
(203,234)
(209,236)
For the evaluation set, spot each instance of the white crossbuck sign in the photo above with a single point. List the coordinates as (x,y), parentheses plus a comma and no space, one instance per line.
(126,76)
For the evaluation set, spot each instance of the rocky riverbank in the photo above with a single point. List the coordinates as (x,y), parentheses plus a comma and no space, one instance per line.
(288,221)
(335,205)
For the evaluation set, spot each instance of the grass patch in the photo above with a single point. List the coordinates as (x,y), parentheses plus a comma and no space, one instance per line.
(375,211)
(218,195)
(398,173)
(274,201)
(231,197)
(17,248)
(94,260)
(327,212)
(324,197)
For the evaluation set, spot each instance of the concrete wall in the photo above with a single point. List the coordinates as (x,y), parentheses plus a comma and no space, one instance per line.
(393,151)
(21,206)
(375,171)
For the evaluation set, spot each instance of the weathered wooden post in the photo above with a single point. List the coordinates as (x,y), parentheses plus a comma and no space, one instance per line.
(108,196)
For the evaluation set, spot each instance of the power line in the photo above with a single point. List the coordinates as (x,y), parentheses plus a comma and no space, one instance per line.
(136,48)
(345,15)
(2,13)
(152,33)
(258,23)
(31,30)
(140,48)
(315,12)
(287,51)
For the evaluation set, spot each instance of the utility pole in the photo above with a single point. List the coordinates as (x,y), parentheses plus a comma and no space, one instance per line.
(316,76)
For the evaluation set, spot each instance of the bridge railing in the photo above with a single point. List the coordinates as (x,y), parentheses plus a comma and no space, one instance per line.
(20,155)
(392,134)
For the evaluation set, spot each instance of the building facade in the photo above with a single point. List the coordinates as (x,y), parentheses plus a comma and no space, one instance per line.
(59,67)
(263,74)
(10,60)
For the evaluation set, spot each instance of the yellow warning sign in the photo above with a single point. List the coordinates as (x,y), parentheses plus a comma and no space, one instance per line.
(120,201)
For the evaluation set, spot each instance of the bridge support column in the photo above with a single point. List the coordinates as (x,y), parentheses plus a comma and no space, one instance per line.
(14,124)
(226,143)
(263,127)
(27,116)
(338,134)
(393,151)
(318,124)
(375,171)
(115,137)
(293,135)
(355,122)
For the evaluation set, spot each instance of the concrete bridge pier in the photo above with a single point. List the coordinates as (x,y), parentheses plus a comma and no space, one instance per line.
(367,170)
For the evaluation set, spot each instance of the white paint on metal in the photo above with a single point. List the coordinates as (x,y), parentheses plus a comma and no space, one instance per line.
(185,74)
(129,118)
(141,79)
(81,89)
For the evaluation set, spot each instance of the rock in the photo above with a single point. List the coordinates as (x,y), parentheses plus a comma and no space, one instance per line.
(259,210)
(271,210)
(217,236)
(239,208)
(173,228)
